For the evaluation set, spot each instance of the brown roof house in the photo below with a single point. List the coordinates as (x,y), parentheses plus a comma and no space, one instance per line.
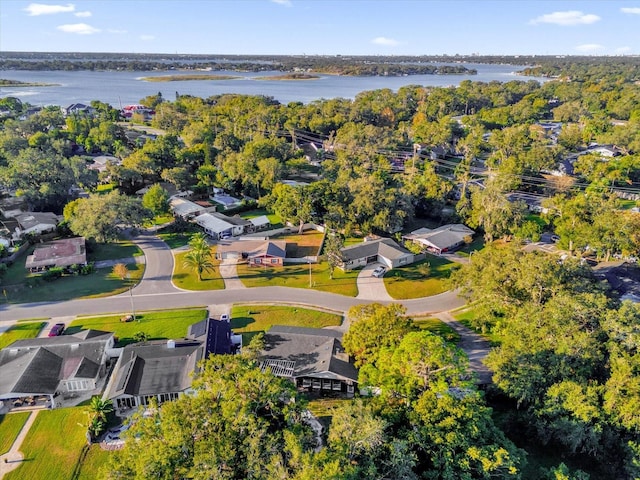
(59,253)
(69,365)
(312,358)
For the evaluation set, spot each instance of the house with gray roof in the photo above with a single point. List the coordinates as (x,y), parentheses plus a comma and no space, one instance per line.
(38,222)
(181,207)
(383,250)
(161,370)
(312,358)
(442,239)
(46,367)
(217,336)
(217,225)
(270,253)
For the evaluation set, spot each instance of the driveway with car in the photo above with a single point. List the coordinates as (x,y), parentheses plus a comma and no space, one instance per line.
(371,286)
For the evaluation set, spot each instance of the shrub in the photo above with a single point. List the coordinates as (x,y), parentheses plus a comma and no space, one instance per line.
(53,274)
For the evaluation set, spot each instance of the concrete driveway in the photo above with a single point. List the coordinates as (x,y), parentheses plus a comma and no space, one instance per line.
(370,287)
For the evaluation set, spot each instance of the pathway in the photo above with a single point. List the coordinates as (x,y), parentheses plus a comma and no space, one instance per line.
(229,273)
(474,345)
(13,458)
(370,287)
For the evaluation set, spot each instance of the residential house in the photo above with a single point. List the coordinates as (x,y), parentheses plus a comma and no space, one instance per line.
(77,109)
(101,162)
(533,202)
(58,253)
(39,369)
(217,336)
(159,370)
(312,358)
(383,250)
(37,222)
(259,223)
(442,239)
(270,254)
(181,207)
(217,225)
(225,201)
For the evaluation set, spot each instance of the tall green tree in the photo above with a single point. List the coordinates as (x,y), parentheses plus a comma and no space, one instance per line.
(199,258)
(156,199)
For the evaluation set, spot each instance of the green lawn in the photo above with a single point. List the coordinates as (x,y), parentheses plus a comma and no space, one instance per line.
(466,316)
(297,276)
(97,284)
(322,408)
(113,251)
(260,318)
(276,221)
(105,188)
(53,445)
(10,426)
(437,327)
(161,324)
(475,245)
(93,462)
(409,282)
(160,220)
(188,279)
(19,331)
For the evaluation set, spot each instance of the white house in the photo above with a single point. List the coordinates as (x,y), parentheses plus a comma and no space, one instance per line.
(217,225)
(442,239)
(383,250)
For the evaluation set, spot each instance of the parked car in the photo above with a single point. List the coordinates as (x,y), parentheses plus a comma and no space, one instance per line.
(379,272)
(56,330)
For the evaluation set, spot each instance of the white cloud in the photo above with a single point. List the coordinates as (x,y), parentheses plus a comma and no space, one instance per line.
(35,9)
(83,14)
(147,38)
(286,3)
(590,48)
(78,28)
(569,18)
(387,42)
(625,49)
(632,10)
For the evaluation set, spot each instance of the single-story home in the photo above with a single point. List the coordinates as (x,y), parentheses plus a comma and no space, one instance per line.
(38,369)
(37,222)
(159,370)
(312,358)
(217,336)
(226,200)
(58,253)
(260,223)
(217,225)
(533,202)
(383,250)
(100,162)
(258,251)
(181,207)
(442,239)
(270,254)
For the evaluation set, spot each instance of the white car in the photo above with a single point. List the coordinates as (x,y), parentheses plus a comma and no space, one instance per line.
(379,272)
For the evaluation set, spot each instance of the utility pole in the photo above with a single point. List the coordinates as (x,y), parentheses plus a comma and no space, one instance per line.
(310,282)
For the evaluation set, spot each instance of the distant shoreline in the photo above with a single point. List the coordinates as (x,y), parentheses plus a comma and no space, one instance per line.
(16,83)
(180,78)
(290,76)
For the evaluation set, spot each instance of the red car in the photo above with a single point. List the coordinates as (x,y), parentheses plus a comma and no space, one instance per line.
(56,330)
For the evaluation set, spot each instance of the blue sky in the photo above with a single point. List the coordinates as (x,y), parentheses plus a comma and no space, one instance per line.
(348,27)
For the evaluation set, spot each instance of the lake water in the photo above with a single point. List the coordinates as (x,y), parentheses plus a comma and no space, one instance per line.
(122,88)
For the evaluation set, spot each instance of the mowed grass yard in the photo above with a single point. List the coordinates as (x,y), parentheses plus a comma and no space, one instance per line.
(410,282)
(53,445)
(10,426)
(158,325)
(20,331)
(187,278)
(253,319)
(94,462)
(437,327)
(297,276)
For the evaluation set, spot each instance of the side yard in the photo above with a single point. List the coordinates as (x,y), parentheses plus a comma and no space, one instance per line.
(186,278)
(10,426)
(19,331)
(421,279)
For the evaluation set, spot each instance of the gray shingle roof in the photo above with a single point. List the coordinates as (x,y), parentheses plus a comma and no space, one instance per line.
(154,368)
(315,352)
(385,247)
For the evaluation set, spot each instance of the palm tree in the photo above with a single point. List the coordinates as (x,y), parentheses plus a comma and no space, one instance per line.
(101,408)
(199,259)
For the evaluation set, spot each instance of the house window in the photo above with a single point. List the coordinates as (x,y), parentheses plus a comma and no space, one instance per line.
(274,260)
(257,260)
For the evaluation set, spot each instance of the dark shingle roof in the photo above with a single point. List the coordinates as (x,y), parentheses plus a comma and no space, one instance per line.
(382,246)
(308,352)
